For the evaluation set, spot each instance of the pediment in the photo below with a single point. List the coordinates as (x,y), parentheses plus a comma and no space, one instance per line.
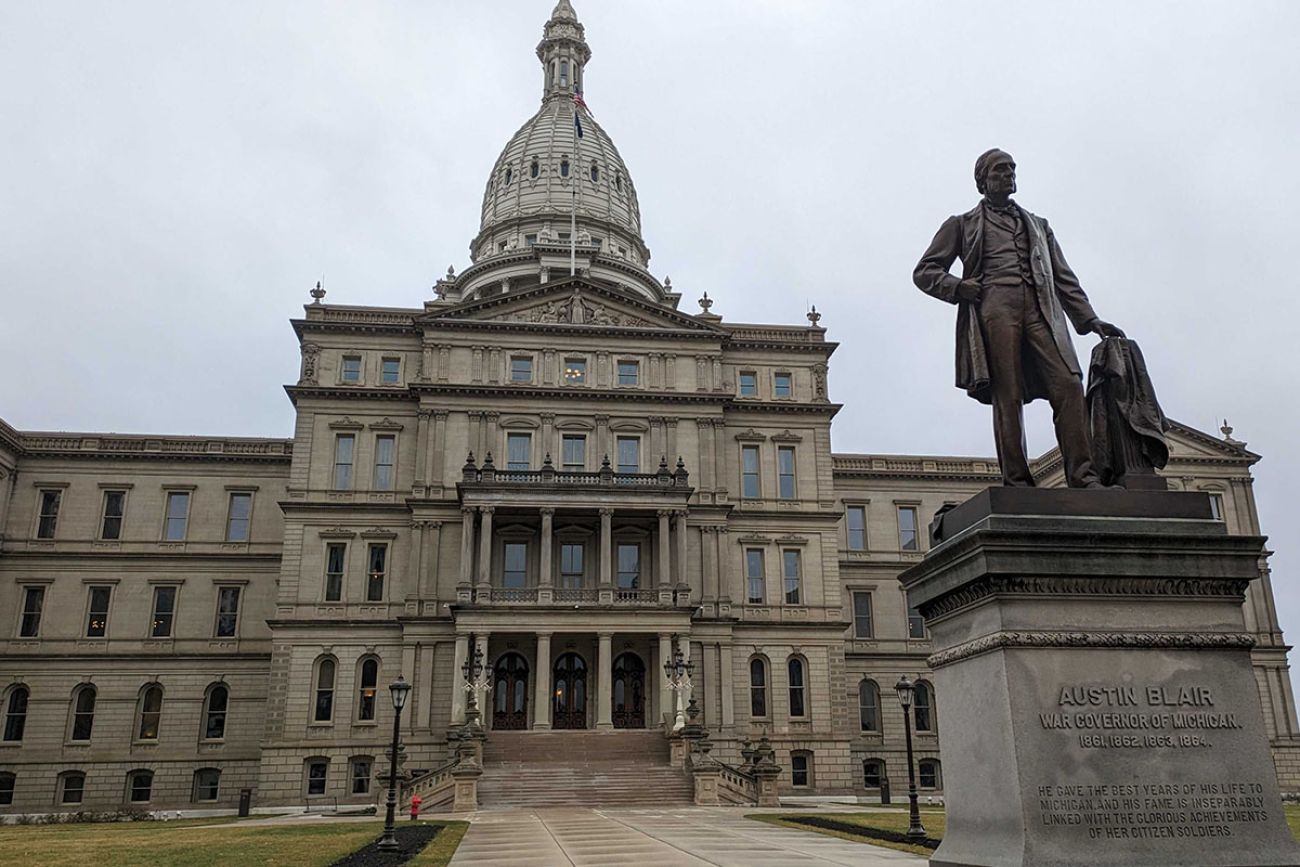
(1188,442)
(574,302)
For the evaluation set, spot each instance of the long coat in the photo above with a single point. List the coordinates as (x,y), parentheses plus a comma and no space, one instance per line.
(1058,291)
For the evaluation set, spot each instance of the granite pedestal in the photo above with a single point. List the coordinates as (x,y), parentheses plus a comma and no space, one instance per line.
(1091,653)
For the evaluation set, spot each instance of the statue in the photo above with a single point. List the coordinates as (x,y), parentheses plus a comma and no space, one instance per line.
(1013,298)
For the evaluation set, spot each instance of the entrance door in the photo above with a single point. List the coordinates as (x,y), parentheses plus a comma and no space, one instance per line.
(570,707)
(510,693)
(629,692)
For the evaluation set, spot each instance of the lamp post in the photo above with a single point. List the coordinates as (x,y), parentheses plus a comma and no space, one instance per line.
(905,689)
(678,671)
(476,680)
(399,689)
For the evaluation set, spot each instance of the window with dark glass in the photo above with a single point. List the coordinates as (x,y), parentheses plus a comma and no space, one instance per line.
(361,776)
(782,385)
(792,573)
(16,714)
(629,372)
(316,772)
(873,773)
(141,786)
(573,453)
(755,575)
(385,451)
(33,602)
(564,168)
(72,787)
(534,168)
(629,454)
(510,174)
(7,781)
(110,525)
(748,383)
(344,445)
(521,366)
(227,611)
(564,73)
(178,516)
(335,554)
(800,769)
(368,690)
(785,472)
(575,371)
(239,516)
(571,565)
(150,713)
(915,624)
(749,480)
(862,625)
(324,711)
(164,612)
(907,539)
(796,688)
(351,368)
(923,707)
(514,572)
(48,519)
(927,774)
(757,688)
(855,520)
(519,447)
(377,564)
(389,370)
(97,612)
(214,717)
(530,239)
(595,174)
(869,706)
(629,567)
(83,713)
(207,784)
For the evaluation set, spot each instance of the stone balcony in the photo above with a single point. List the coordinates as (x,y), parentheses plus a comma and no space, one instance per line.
(486,483)
(584,597)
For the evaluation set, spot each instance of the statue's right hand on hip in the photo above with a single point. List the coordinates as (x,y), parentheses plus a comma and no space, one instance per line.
(970,290)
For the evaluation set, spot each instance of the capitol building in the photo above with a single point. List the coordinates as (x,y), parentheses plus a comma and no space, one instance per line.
(555,464)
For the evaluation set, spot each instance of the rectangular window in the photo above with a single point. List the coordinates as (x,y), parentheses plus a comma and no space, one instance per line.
(629,567)
(344,445)
(376,566)
(629,373)
(360,776)
(97,612)
(141,787)
(178,516)
(571,566)
(164,612)
(6,789)
(207,783)
(575,371)
(335,552)
(907,538)
(48,518)
(1216,506)
(110,526)
(855,522)
(749,481)
(74,787)
(351,368)
(748,383)
(915,624)
(514,572)
(33,602)
(785,472)
(385,451)
(573,453)
(755,575)
(862,625)
(389,370)
(629,454)
(519,447)
(316,772)
(782,385)
(530,240)
(227,611)
(791,572)
(799,769)
(521,368)
(239,517)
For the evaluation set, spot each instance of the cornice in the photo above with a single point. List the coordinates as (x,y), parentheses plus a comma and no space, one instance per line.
(95,446)
(624,395)
(350,392)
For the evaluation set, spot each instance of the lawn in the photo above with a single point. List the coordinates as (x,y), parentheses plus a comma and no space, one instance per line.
(200,843)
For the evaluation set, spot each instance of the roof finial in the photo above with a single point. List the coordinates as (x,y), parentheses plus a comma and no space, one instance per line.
(318,292)
(814,317)
(668,283)
(706,302)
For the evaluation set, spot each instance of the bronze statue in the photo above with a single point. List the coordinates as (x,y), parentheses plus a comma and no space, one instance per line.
(1013,298)
(1128,426)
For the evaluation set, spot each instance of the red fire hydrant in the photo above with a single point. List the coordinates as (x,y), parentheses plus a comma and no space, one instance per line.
(415,807)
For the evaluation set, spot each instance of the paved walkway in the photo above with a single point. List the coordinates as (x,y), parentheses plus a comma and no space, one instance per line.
(686,836)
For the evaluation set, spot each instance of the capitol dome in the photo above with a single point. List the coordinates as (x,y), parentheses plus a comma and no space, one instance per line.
(559,196)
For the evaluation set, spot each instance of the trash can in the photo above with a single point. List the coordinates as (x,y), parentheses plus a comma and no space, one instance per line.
(884,790)
(245,802)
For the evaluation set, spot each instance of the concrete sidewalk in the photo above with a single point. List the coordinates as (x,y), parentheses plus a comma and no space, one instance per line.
(694,836)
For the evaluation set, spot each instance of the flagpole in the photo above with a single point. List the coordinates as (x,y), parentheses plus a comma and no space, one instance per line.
(573,210)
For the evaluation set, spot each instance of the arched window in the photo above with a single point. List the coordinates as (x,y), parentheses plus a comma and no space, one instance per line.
(139,786)
(869,705)
(207,784)
(928,774)
(510,174)
(758,687)
(564,168)
(16,713)
(214,714)
(923,706)
(534,168)
(618,181)
(798,691)
(83,713)
(150,712)
(369,681)
(873,773)
(72,787)
(324,707)
(564,73)
(595,172)
(7,781)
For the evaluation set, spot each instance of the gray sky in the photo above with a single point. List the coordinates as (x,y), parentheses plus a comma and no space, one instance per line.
(175,175)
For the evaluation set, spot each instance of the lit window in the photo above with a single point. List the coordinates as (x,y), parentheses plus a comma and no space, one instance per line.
(227,611)
(72,787)
(368,690)
(514,573)
(923,707)
(49,515)
(800,769)
(748,383)
(629,373)
(785,472)
(1216,506)
(351,368)
(239,517)
(214,718)
(571,566)
(869,706)
(389,370)
(873,773)
(361,776)
(16,714)
(782,385)
(385,451)
(141,786)
(757,688)
(575,371)
(519,448)
(862,626)
(83,714)
(97,612)
(796,688)
(178,516)
(791,570)
(324,709)
(915,624)
(344,446)
(749,481)
(150,713)
(110,526)
(334,560)
(755,575)
(629,567)
(521,367)
(573,453)
(629,454)
(907,537)
(164,612)
(375,570)
(927,774)
(207,784)
(855,520)
(33,602)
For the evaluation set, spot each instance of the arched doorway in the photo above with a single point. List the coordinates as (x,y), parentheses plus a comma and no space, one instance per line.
(510,693)
(629,692)
(569,710)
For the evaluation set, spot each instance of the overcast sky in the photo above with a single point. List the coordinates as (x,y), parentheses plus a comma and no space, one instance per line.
(174,176)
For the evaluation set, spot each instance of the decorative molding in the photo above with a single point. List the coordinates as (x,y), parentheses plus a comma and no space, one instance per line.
(976,591)
(378,533)
(337,533)
(1175,640)
(786,437)
(386,423)
(750,435)
(346,423)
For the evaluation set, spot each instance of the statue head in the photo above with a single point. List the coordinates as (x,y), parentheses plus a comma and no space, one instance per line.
(995,173)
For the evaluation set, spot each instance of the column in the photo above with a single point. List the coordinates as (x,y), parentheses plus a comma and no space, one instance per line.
(485,547)
(728,686)
(681,571)
(417,688)
(467,545)
(433,464)
(709,563)
(426,363)
(493,443)
(666,708)
(665,549)
(725,578)
(606,546)
(602,438)
(421,451)
(544,577)
(429,574)
(458,680)
(548,444)
(605,682)
(542,682)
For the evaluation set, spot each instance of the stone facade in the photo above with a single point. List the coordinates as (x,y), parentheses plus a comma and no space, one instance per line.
(563,470)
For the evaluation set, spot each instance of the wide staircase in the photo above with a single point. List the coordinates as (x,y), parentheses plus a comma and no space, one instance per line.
(580,769)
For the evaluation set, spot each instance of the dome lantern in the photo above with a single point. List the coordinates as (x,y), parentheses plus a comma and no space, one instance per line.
(563,52)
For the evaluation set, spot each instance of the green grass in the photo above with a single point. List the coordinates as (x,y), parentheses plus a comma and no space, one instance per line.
(1293,818)
(204,843)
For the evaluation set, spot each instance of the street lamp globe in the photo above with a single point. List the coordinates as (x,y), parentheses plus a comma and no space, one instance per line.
(905,689)
(399,689)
